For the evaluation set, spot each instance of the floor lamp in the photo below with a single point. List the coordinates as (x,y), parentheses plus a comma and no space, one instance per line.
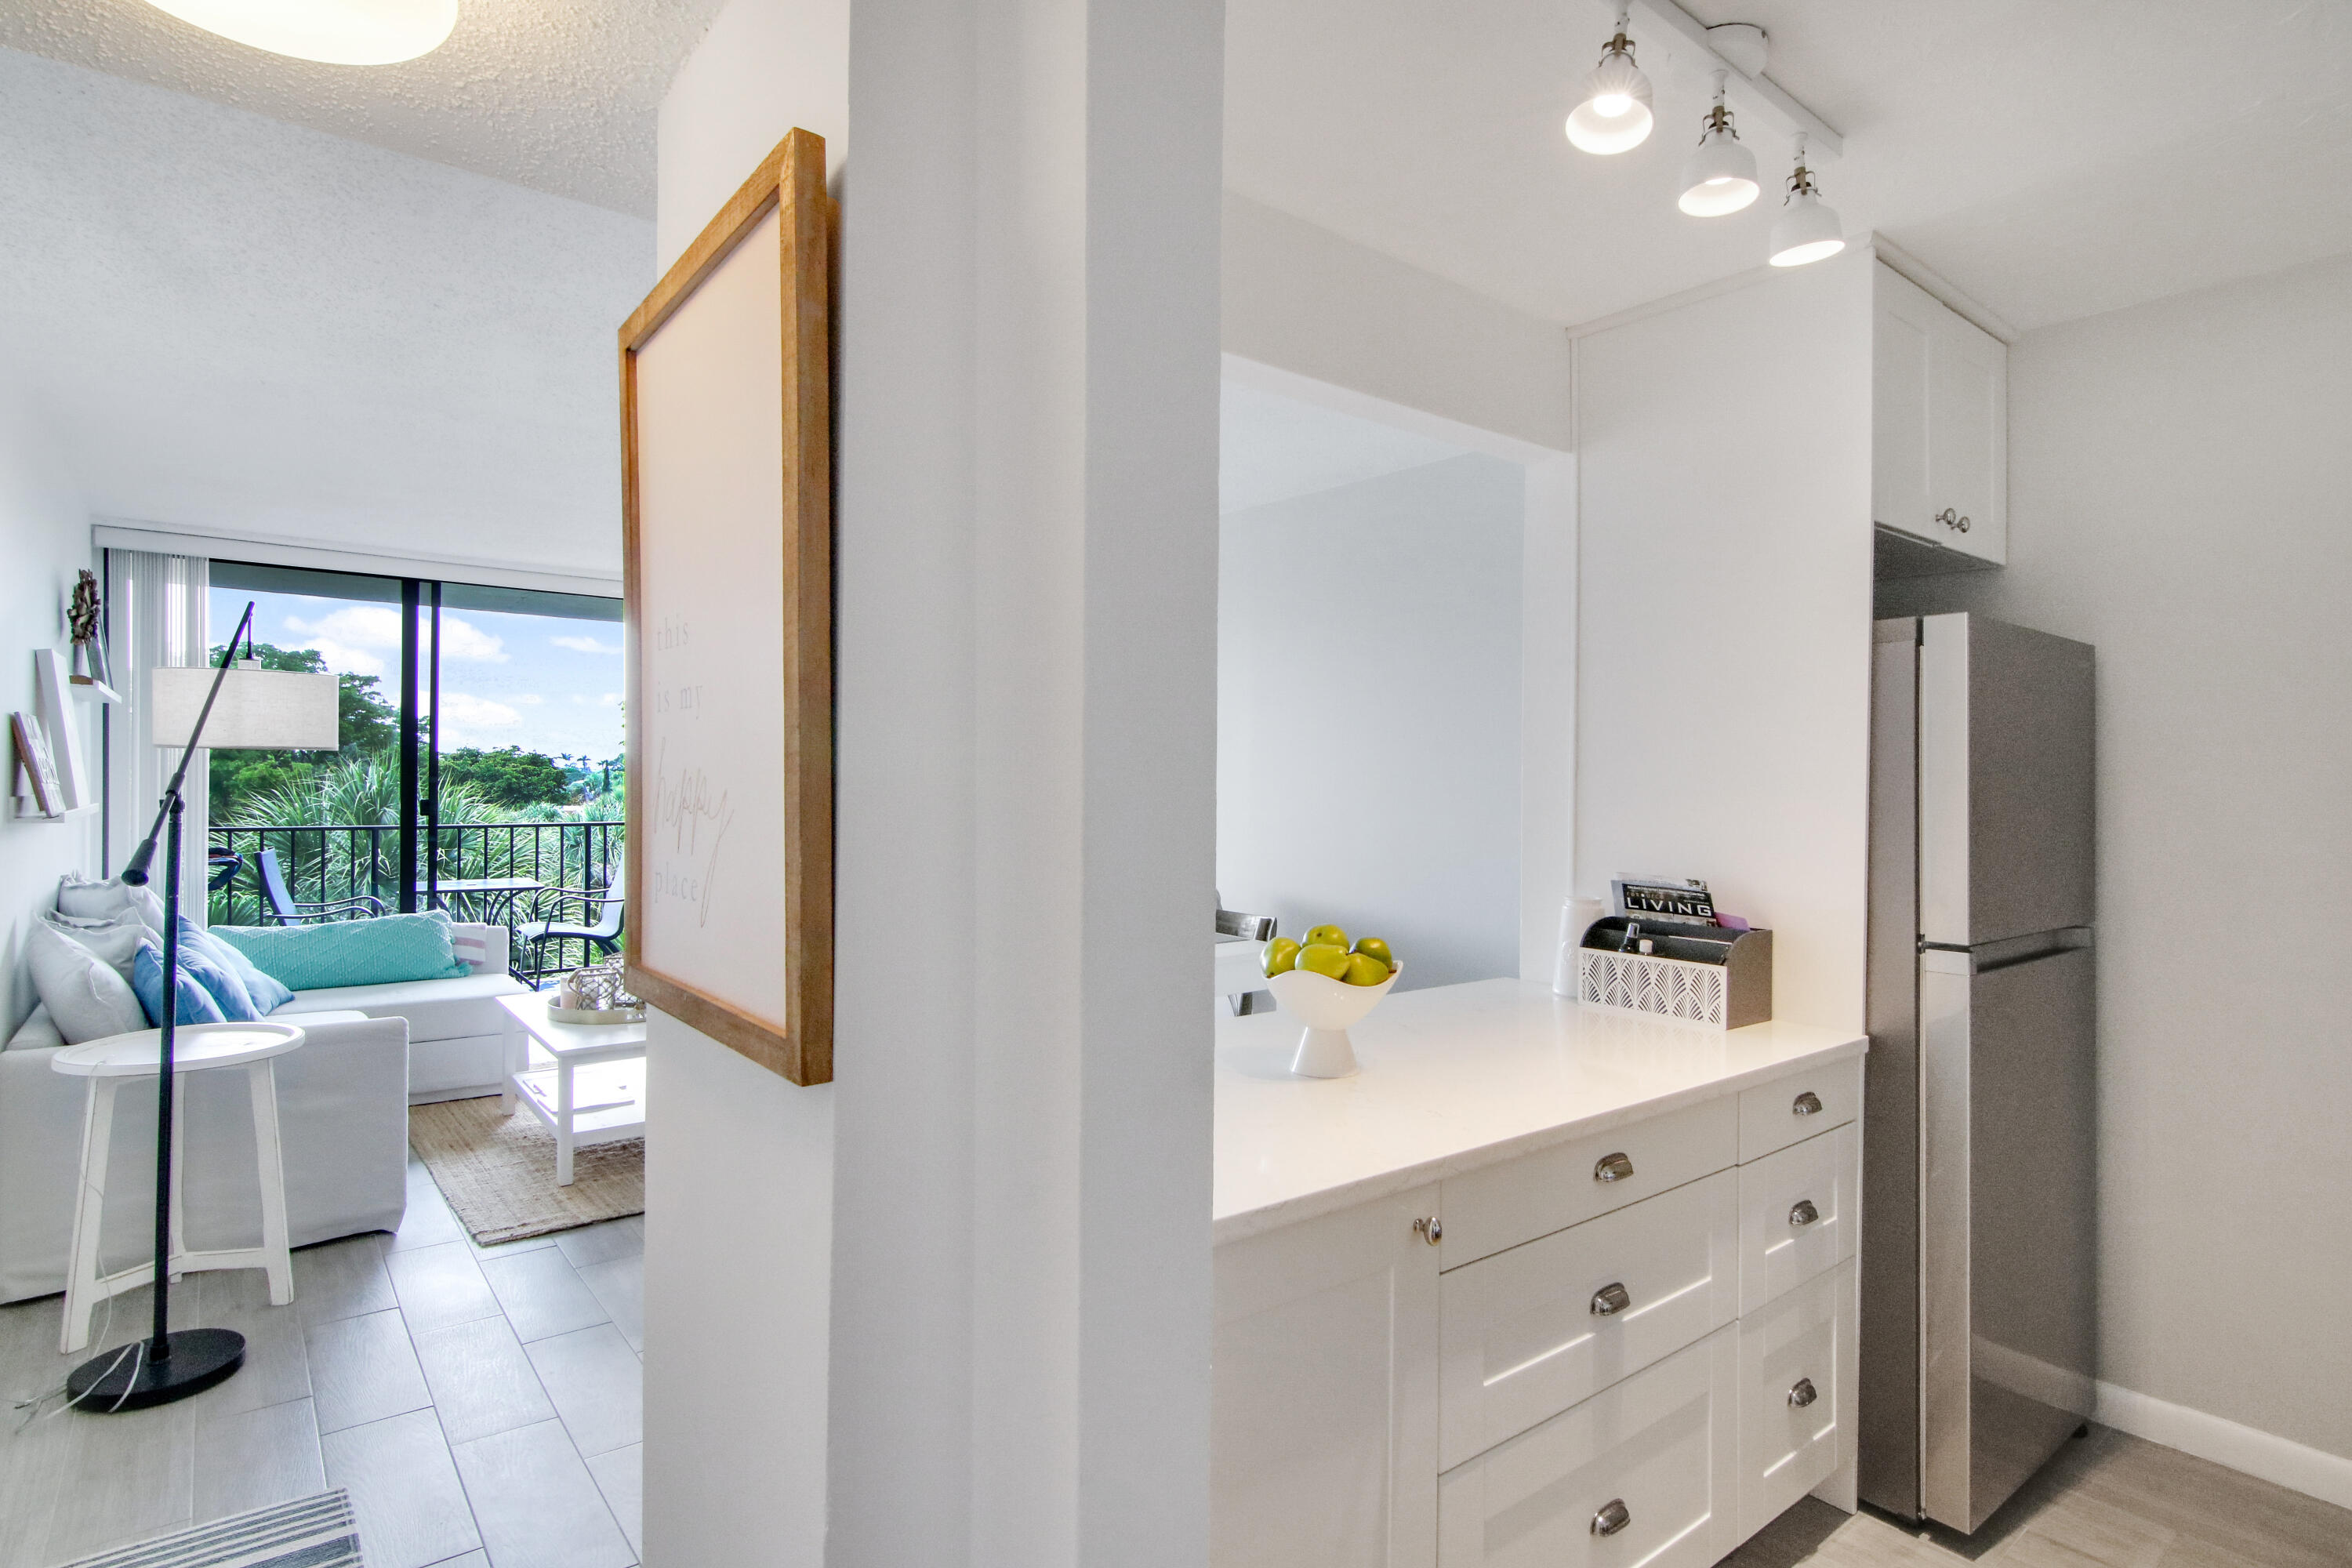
(268,710)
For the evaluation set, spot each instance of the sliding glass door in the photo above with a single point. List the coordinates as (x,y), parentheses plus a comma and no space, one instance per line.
(480,771)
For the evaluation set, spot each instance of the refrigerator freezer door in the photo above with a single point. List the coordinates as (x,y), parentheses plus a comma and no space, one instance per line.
(1887,1409)
(2005,781)
(2008,1310)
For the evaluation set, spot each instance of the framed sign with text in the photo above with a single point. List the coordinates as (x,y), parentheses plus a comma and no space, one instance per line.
(727,534)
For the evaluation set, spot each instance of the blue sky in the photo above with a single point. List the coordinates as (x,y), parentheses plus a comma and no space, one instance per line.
(541,682)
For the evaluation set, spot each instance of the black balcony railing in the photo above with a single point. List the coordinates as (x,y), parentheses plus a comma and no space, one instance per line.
(329,862)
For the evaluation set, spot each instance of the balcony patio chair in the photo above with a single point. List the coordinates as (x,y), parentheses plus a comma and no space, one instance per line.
(1232,924)
(286,911)
(610,904)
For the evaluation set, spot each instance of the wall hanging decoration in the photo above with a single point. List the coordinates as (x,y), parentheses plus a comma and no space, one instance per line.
(727,532)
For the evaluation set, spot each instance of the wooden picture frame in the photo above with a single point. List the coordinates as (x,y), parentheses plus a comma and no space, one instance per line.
(727,490)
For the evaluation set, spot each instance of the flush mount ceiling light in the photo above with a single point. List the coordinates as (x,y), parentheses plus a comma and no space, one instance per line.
(1615,115)
(339,32)
(1720,177)
(1807,228)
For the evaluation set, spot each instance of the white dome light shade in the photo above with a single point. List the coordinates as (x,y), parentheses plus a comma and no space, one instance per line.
(339,32)
(1615,115)
(1808,229)
(1720,177)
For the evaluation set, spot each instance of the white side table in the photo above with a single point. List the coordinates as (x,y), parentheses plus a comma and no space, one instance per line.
(118,1060)
(600,1106)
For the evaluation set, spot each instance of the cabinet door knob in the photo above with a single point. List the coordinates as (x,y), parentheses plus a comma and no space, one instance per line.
(1803,1213)
(1952,520)
(1610,1300)
(1429,1229)
(1806,1104)
(1803,1392)
(1614,1517)
(1613,1168)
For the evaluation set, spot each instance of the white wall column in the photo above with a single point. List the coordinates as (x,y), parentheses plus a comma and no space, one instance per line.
(1028,565)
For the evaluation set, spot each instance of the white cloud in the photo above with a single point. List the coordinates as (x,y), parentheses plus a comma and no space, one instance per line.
(529,698)
(584,645)
(464,640)
(610,700)
(463,717)
(345,636)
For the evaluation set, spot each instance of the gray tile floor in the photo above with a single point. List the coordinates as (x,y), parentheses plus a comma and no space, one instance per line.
(482,1404)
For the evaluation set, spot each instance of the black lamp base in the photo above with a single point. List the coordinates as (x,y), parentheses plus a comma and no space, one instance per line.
(126,1379)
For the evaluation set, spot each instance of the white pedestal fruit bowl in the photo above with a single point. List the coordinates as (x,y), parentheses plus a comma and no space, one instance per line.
(1328,1008)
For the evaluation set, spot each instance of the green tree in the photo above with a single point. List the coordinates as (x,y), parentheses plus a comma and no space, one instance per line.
(369,724)
(509,776)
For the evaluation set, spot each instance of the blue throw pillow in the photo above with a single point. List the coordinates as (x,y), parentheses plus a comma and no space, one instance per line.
(378,951)
(196,1006)
(255,992)
(200,956)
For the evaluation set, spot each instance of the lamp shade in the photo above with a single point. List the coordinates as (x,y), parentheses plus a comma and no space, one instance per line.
(1615,115)
(1720,177)
(339,32)
(1807,230)
(260,710)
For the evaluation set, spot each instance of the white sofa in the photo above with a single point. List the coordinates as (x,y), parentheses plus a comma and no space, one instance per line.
(343,1100)
(455,1028)
(342,1118)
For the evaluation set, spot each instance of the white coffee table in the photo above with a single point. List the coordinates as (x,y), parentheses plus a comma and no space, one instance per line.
(594,1092)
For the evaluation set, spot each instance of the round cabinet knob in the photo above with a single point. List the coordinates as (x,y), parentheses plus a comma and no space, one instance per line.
(1614,1517)
(1803,1392)
(1610,1300)
(1806,1104)
(1803,1213)
(1429,1229)
(1613,1168)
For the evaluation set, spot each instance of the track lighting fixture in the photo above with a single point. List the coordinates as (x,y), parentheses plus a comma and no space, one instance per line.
(1720,177)
(1615,115)
(1807,228)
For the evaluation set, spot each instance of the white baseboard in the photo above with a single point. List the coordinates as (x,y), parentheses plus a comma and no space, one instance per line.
(2296,1466)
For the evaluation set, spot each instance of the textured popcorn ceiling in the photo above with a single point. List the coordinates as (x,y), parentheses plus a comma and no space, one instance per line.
(556,95)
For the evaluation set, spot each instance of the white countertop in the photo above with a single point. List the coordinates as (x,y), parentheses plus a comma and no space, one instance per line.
(1458,1076)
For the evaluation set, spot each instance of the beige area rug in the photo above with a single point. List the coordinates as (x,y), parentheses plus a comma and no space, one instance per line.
(499,1172)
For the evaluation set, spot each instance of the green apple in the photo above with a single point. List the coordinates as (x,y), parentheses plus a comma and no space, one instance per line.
(1324,958)
(1281,956)
(1363,969)
(1373,947)
(1327,936)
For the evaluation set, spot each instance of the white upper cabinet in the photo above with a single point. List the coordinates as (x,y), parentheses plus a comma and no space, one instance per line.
(1940,430)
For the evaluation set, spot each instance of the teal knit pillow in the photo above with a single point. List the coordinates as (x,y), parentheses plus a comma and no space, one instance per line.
(377,952)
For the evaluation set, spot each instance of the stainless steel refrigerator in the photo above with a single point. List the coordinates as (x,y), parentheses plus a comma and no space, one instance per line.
(1978,1304)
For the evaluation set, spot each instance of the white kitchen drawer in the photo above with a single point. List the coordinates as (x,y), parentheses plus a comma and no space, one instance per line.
(1797,1215)
(1518,1200)
(1525,1332)
(1788,1109)
(1796,1395)
(1662,1444)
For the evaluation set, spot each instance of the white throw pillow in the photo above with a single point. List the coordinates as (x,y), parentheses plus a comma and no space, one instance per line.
(116,940)
(88,901)
(86,999)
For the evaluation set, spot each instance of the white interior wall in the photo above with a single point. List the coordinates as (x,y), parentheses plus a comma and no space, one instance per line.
(738,1166)
(44,540)
(1012,1367)
(2176,480)
(1368,717)
(1723,695)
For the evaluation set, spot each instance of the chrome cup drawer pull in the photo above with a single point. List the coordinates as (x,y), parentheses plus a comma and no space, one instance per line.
(1804,1213)
(1806,1104)
(1614,1517)
(1613,1168)
(1610,1300)
(1803,1392)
